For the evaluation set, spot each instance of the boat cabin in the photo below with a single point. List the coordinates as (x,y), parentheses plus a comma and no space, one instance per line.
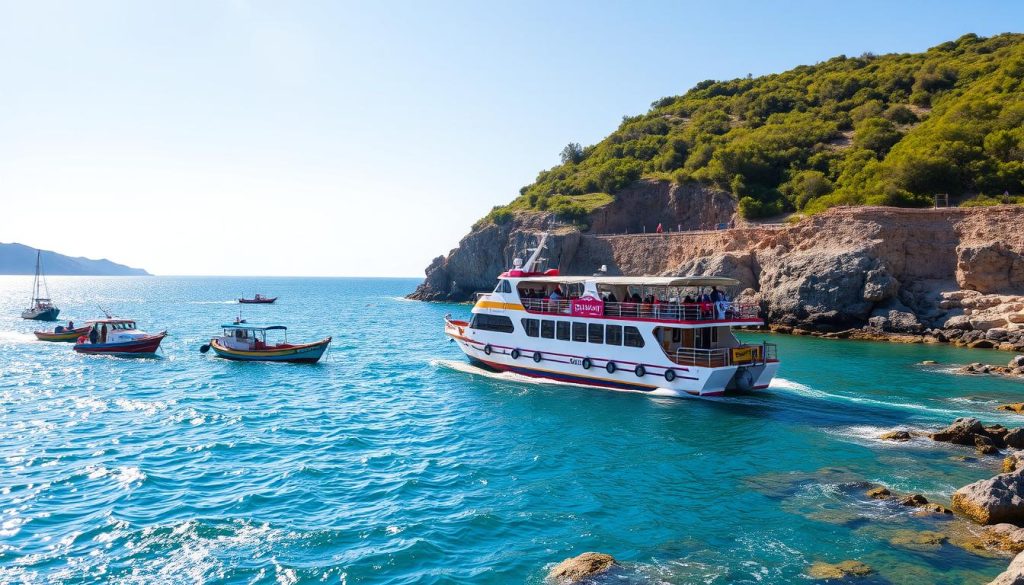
(112,331)
(250,337)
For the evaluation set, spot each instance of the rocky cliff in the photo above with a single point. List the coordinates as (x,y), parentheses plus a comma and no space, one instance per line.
(956,273)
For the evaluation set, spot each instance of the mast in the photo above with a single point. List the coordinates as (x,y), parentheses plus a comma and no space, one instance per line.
(535,258)
(35,284)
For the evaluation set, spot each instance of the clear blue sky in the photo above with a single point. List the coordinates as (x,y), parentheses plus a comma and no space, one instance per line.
(335,138)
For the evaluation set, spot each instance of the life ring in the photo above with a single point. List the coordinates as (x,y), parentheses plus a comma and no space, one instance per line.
(537,357)
(515,354)
(640,371)
(670,375)
(610,366)
(487,349)
(586,363)
(81,339)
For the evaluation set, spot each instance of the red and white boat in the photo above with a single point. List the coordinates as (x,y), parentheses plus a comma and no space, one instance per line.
(652,340)
(118,337)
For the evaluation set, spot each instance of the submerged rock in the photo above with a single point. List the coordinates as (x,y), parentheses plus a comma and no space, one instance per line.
(918,540)
(933,508)
(841,570)
(992,501)
(578,568)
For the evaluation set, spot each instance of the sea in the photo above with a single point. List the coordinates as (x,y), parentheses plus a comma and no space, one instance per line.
(393,461)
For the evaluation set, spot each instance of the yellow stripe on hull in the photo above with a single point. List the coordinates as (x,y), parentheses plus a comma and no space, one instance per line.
(497,305)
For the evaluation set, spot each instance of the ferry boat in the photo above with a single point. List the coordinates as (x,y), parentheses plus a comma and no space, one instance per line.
(618,332)
(248,343)
(118,337)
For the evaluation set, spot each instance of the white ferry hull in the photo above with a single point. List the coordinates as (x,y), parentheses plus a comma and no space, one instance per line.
(485,349)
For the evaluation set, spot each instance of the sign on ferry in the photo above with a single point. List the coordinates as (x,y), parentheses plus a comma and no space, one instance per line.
(587,307)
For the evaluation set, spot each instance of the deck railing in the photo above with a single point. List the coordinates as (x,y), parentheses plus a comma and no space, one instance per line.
(743,355)
(723,311)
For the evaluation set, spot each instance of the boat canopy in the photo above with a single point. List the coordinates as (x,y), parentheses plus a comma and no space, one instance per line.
(638,280)
(111,321)
(248,327)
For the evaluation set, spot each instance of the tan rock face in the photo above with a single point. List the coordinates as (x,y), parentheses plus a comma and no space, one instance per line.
(578,568)
(841,570)
(993,501)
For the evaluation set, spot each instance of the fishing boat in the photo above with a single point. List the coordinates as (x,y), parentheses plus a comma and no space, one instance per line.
(118,337)
(258,300)
(61,333)
(657,335)
(40,308)
(248,343)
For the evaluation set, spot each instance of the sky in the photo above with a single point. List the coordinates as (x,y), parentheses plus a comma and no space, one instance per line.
(204,137)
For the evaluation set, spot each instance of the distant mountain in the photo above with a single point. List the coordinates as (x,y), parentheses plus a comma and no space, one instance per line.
(21,259)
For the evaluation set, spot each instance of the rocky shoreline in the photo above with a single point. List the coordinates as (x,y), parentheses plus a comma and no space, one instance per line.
(951,275)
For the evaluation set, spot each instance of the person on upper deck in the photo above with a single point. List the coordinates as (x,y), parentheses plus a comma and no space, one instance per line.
(554,295)
(611,298)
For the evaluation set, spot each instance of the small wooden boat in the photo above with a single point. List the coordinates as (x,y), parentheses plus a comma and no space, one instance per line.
(258,300)
(118,337)
(63,334)
(40,307)
(249,343)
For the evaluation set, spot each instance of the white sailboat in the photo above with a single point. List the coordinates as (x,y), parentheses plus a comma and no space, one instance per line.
(40,307)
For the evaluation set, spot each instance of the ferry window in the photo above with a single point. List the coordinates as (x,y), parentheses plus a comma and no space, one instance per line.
(547,329)
(595,333)
(506,287)
(631,337)
(532,327)
(562,329)
(579,331)
(497,323)
(613,334)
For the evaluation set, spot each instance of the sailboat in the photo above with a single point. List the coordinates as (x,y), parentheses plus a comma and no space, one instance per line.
(40,308)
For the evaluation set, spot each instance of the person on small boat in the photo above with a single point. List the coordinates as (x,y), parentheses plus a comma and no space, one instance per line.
(59,329)
(71,324)
(94,335)
(103,334)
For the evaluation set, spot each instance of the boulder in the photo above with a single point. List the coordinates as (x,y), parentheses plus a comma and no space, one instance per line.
(578,568)
(1005,537)
(1015,438)
(991,267)
(878,493)
(997,334)
(1017,407)
(918,540)
(992,501)
(879,285)
(1017,361)
(1013,575)
(916,500)
(962,322)
(961,432)
(895,436)
(842,570)
(933,508)
(985,321)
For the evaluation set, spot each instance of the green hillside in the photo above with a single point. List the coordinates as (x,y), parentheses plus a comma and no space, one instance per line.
(875,129)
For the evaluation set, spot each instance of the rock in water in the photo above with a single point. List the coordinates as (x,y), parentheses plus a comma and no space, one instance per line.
(820,570)
(578,568)
(992,501)
(879,493)
(1015,438)
(895,436)
(916,500)
(961,432)
(1017,407)
(1013,575)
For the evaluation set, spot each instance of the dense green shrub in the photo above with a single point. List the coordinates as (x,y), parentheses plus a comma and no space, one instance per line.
(841,132)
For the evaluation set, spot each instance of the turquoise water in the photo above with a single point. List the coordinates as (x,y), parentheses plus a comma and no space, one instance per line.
(392,462)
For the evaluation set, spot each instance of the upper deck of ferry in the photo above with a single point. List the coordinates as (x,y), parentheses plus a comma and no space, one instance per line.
(681,300)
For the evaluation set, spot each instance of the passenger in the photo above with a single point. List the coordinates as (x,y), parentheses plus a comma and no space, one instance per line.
(71,324)
(555,296)
(94,335)
(58,329)
(611,298)
(636,298)
(103,334)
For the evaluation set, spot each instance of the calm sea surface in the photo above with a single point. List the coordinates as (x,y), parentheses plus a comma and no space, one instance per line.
(393,462)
